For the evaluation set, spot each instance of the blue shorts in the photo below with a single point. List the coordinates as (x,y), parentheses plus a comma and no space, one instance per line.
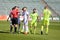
(18,20)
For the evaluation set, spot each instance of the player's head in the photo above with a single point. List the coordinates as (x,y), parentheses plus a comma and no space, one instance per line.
(46,7)
(15,7)
(34,10)
(24,8)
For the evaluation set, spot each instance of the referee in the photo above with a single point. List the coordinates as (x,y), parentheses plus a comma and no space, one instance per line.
(14,15)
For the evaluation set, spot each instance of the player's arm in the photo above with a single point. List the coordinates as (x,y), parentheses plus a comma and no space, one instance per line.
(28,15)
(8,17)
(19,15)
(38,18)
(50,13)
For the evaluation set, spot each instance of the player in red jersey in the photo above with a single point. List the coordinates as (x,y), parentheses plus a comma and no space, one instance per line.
(14,15)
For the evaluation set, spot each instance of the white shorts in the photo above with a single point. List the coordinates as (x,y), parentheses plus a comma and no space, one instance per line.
(26,22)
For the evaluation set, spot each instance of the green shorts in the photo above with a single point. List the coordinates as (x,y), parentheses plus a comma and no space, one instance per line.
(45,22)
(33,23)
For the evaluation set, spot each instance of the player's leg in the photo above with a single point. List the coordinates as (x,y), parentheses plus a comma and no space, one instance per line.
(35,25)
(22,28)
(26,28)
(11,25)
(15,24)
(47,24)
(15,28)
(18,25)
(42,27)
(11,28)
(25,32)
(19,28)
(31,26)
(46,29)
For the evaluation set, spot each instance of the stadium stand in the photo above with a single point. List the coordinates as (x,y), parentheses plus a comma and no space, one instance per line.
(6,5)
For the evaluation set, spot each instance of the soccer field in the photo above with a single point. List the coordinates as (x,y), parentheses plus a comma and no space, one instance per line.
(54,32)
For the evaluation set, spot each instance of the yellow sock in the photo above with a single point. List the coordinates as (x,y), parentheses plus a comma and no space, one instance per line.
(47,30)
(34,31)
(42,28)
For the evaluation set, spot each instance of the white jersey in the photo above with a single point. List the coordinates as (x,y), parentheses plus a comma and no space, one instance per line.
(25,16)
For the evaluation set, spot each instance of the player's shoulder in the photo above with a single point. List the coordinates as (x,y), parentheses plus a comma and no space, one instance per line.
(27,12)
(49,11)
(36,13)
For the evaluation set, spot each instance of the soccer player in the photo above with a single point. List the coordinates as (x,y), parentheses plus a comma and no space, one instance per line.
(19,22)
(11,27)
(14,14)
(25,15)
(45,22)
(34,16)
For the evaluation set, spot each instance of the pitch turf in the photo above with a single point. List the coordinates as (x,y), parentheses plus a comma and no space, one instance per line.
(54,33)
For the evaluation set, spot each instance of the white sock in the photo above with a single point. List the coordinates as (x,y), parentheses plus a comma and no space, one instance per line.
(27,30)
(23,28)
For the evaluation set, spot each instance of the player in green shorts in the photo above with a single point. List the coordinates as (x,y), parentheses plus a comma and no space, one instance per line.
(34,16)
(45,22)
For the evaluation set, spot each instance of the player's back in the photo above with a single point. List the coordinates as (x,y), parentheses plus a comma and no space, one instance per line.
(46,14)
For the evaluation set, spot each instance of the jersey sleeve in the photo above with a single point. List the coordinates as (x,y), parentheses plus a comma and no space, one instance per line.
(27,13)
(11,14)
(36,14)
(17,10)
(30,14)
(49,12)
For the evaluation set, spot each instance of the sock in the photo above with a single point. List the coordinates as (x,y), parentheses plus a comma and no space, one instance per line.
(18,27)
(31,29)
(27,29)
(15,29)
(42,28)
(22,29)
(34,30)
(47,30)
(11,28)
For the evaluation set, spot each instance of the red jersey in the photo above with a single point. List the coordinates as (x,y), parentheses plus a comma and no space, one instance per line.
(14,13)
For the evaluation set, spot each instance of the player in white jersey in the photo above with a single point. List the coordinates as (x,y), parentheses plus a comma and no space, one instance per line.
(25,15)
(10,18)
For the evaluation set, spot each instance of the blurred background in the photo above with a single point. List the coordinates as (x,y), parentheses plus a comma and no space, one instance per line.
(54,6)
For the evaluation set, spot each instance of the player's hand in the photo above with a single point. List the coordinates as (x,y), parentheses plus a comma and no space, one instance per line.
(22,20)
(7,19)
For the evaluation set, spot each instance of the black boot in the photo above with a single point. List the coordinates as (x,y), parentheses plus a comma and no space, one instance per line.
(11,28)
(41,32)
(15,29)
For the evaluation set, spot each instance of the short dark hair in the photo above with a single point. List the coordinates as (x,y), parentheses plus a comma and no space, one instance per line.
(14,7)
(34,9)
(23,8)
(45,7)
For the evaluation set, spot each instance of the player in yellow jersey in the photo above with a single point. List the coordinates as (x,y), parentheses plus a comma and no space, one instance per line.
(34,16)
(45,22)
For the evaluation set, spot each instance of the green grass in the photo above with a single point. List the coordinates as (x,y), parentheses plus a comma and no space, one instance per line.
(54,33)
